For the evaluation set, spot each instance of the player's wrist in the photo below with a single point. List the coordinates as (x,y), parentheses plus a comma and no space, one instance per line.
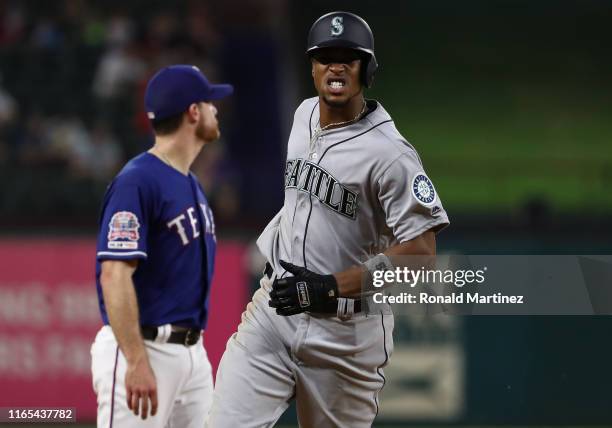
(348,282)
(380,262)
(136,356)
(327,288)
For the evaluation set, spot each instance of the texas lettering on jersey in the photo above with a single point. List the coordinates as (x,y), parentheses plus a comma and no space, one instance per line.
(177,223)
(309,177)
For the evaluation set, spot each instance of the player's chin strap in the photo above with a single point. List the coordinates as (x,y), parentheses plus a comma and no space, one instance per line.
(346,308)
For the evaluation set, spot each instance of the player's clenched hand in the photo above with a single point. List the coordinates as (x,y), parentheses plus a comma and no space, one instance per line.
(305,291)
(141,386)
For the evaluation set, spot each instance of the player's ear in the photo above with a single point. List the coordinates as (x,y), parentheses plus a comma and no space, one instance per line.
(193,113)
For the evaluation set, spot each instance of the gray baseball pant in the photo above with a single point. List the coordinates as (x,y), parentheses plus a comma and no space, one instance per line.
(332,367)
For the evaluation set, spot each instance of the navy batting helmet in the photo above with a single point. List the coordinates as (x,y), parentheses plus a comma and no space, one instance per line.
(345,30)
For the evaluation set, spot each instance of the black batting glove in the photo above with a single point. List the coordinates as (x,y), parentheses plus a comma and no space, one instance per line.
(305,291)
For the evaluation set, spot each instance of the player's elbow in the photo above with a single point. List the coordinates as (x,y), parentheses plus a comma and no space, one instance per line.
(422,245)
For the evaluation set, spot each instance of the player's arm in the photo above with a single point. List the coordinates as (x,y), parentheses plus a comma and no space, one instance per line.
(407,208)
(350,281)
(285,294)
(410,203)
(122,309)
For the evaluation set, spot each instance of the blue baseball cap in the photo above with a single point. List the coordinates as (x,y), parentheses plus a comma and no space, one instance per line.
(173,89)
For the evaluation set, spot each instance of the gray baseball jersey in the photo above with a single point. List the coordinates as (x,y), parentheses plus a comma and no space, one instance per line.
(350,193)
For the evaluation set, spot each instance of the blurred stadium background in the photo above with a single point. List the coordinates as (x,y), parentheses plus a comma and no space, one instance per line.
(507,102)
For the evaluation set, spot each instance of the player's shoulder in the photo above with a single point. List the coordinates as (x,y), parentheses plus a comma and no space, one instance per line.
(308,104)
(307,108)
(389,141)
(137,171)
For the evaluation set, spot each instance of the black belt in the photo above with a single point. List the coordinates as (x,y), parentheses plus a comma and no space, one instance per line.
(187,337)
(329,308)
(332,307)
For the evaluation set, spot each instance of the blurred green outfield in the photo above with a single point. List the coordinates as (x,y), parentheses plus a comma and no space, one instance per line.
(508,103)
(500,145)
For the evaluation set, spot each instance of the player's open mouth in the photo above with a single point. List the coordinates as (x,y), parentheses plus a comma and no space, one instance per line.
(336,85)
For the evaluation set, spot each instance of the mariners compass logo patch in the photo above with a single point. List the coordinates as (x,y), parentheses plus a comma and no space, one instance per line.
(423,189)
(337,28)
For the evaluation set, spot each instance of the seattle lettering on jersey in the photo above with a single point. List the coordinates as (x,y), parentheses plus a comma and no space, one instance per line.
(177,223)
(309,177)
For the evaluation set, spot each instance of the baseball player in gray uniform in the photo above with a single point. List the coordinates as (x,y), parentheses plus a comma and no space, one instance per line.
(356,193)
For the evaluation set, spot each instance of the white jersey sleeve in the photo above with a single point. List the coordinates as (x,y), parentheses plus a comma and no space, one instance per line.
(409,199)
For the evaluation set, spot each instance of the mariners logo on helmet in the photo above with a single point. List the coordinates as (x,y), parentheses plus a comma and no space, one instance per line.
(336,26)
(345,30)
(423,189)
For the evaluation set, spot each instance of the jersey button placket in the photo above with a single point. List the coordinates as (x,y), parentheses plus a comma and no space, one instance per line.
(314,155)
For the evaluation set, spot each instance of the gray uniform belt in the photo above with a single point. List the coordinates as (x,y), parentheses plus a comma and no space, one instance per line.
(187,337)
(329,308)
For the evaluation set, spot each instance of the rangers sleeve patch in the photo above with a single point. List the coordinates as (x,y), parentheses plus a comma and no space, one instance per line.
(123,231)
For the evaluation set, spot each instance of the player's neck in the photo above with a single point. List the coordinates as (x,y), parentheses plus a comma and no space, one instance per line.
(176,151)
(340,115)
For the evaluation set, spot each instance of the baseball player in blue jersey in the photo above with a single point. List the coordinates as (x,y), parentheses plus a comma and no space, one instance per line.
(155,259)
(356,194)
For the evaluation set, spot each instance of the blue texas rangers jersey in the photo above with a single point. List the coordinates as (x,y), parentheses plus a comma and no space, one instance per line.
(154,213)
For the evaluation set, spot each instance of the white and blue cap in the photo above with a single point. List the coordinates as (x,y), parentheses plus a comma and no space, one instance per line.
(173,89)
